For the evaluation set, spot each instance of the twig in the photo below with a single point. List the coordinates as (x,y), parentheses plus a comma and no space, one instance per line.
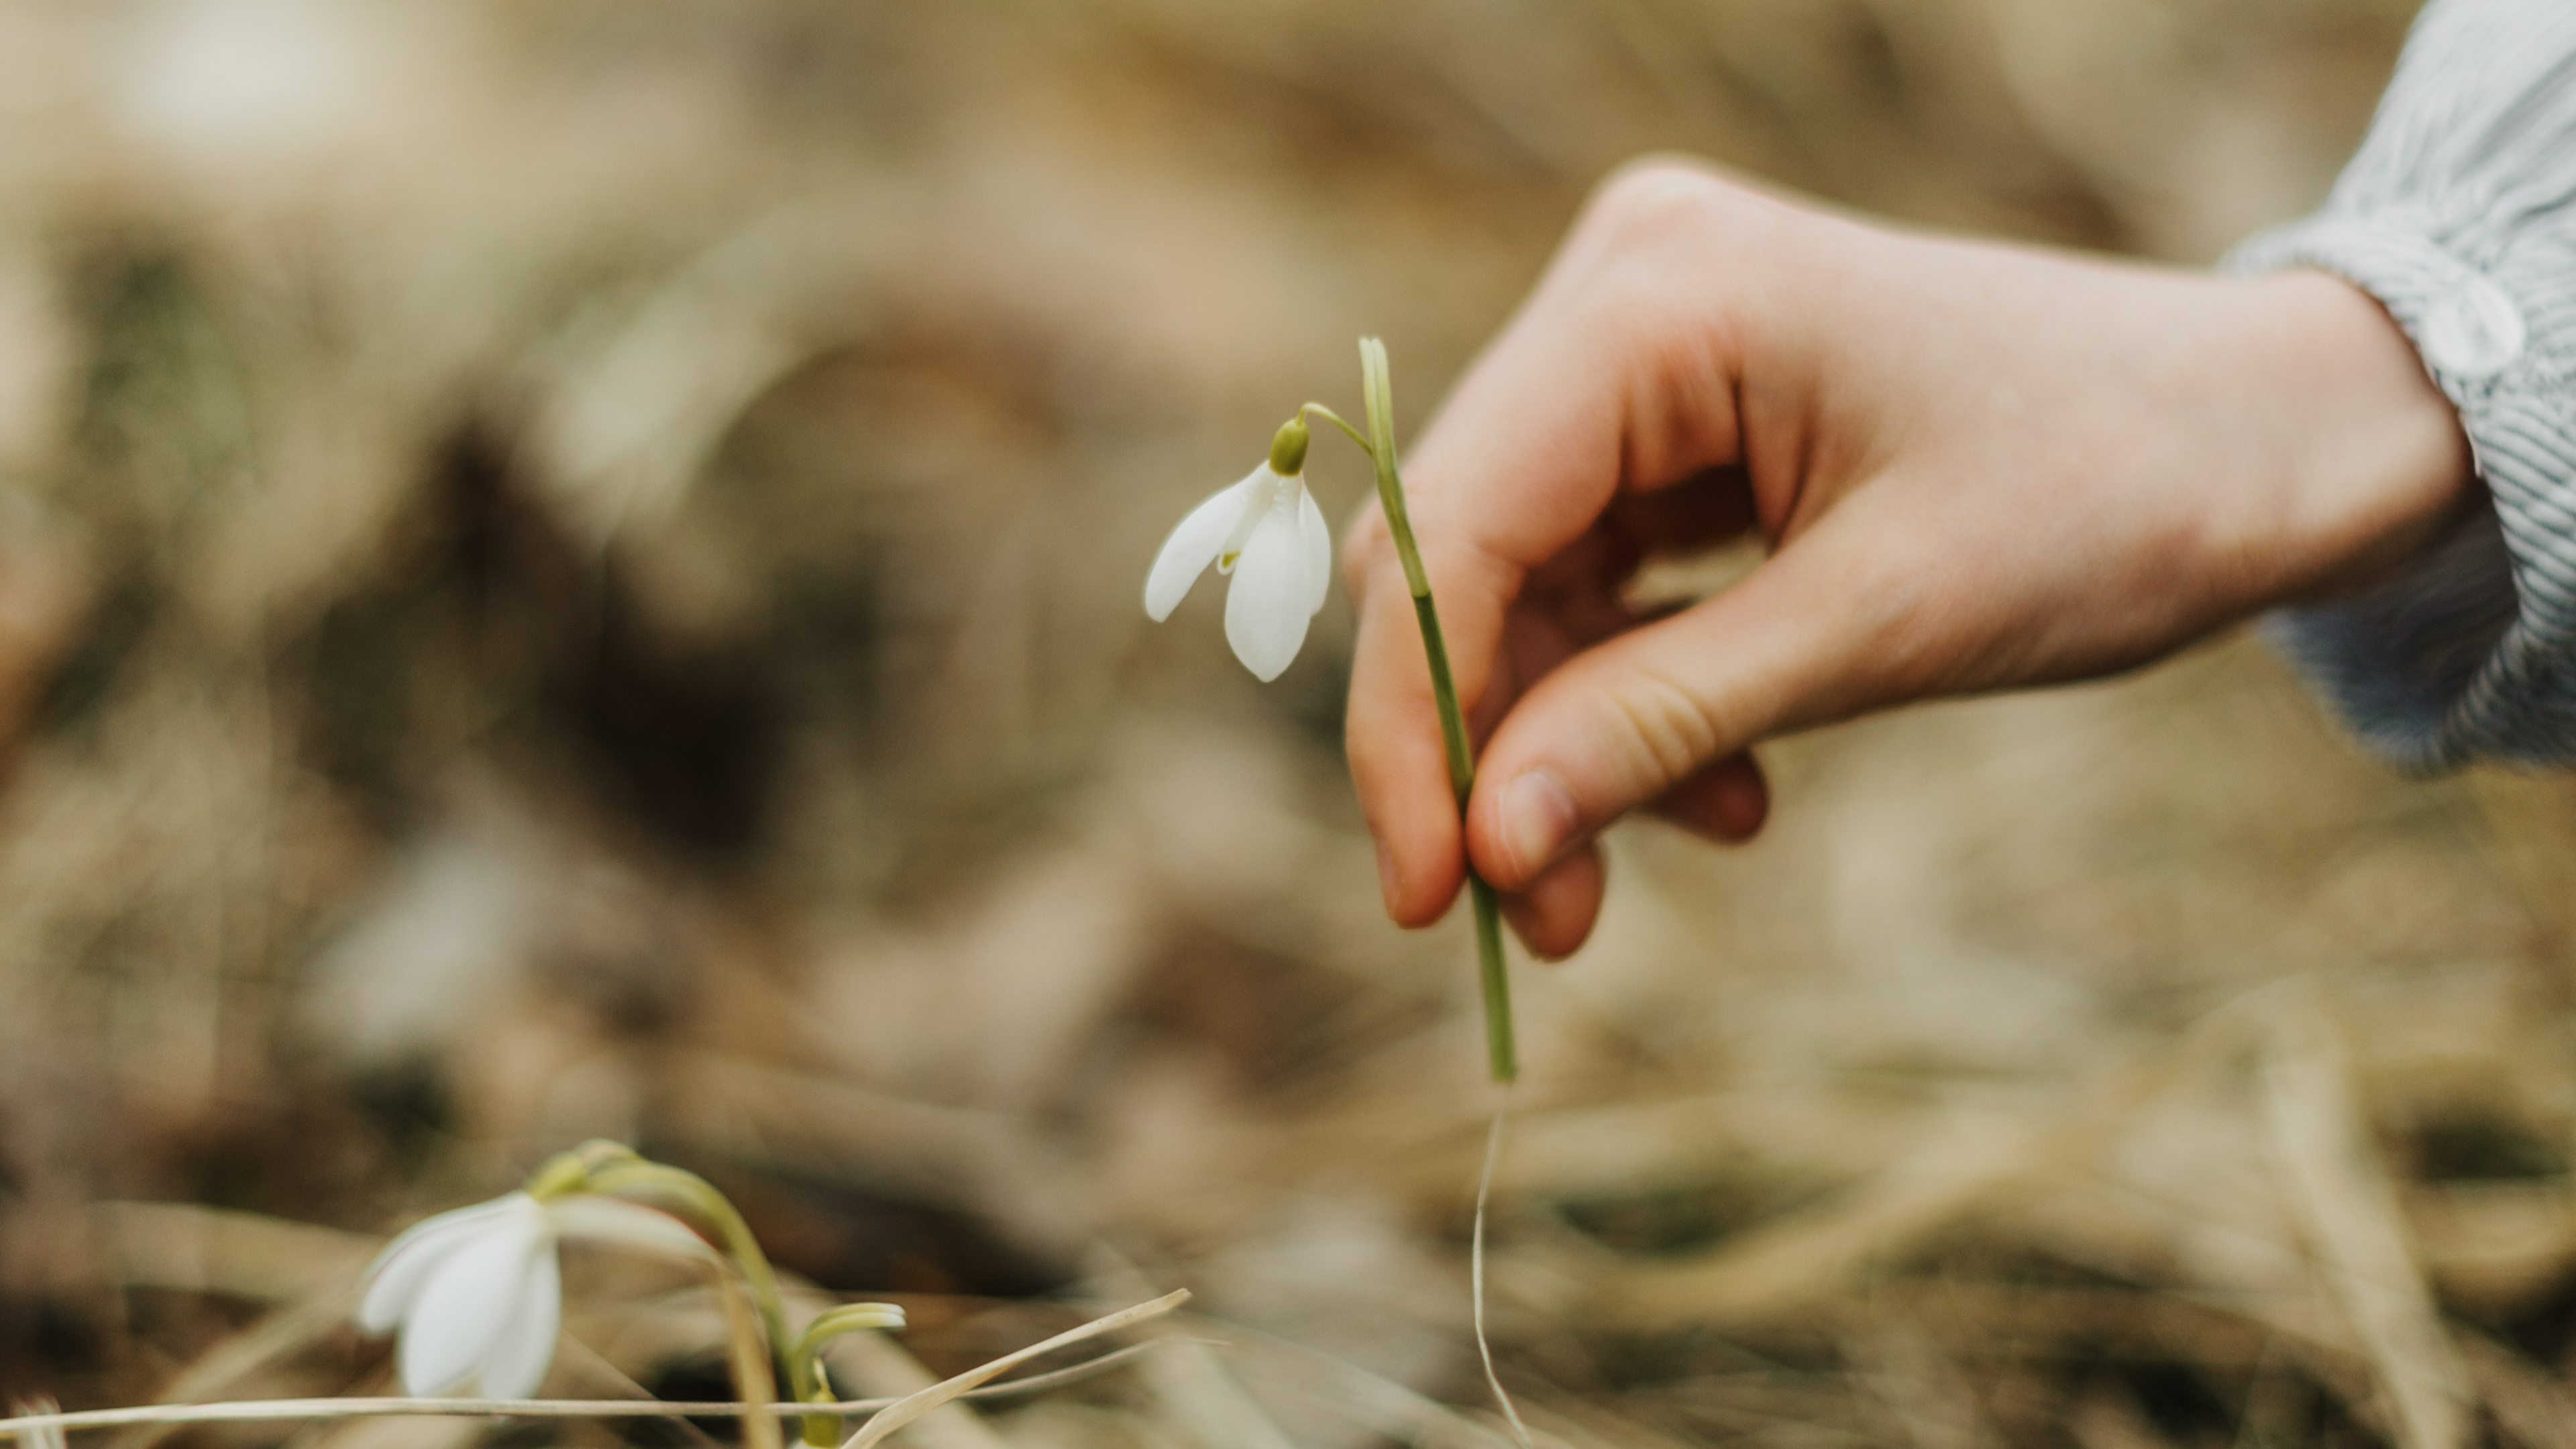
(252,1411)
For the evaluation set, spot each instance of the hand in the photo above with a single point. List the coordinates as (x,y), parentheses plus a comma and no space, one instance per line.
(1976,467)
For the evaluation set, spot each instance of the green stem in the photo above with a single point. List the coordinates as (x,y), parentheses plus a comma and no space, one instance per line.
(1318,410)
(824,1430)
(638,1177)
(1502,1055)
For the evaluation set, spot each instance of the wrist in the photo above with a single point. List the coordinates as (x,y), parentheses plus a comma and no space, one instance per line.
(2375,462)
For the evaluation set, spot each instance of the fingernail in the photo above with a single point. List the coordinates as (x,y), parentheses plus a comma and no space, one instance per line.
(1538,819)
(1387,884)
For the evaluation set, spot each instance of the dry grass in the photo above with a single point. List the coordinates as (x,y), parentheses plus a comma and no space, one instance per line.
(570,569)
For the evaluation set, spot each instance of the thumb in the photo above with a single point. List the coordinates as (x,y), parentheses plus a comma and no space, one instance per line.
(1625,722)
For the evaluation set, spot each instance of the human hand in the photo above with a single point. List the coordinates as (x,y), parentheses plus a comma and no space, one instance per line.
(1976,466)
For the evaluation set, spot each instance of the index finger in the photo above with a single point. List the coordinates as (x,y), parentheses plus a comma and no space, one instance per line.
(1606,379)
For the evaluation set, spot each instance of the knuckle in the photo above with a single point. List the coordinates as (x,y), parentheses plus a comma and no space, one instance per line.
(1668,264)
(1669,733)
(1658,203)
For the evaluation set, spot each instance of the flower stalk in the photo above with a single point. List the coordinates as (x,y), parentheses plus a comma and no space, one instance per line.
(617,1170)
(823,1430)
(1267,532)
(1502,1054)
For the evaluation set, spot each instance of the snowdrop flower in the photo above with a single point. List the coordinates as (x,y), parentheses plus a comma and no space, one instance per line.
(1267,533)
(43,1436)
(477,1293)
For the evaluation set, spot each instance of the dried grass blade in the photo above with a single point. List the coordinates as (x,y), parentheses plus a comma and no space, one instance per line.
(1476,1268)
(267,1411)
(1378,1405)
(578,1360)
(1207,1400)
(271,1411)
(880,1365)
(753,1377)
(2530,1408)
(876,1429)
(2343,1198)
(1813,1254)
(1204,1398)
(274,1337)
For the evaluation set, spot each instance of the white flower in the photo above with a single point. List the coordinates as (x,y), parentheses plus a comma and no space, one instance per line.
(477,1293)
(43,1436)
(1267,532)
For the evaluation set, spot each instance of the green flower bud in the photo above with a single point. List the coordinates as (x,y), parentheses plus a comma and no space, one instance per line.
(1288,448)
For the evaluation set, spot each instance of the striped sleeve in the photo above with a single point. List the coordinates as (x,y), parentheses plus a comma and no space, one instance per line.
(2459,215)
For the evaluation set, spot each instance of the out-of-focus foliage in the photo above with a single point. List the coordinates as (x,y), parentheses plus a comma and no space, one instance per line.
(570,568)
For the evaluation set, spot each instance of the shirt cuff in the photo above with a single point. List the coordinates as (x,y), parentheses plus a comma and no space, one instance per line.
(2471,652)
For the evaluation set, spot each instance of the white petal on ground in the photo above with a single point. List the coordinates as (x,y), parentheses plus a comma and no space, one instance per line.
(462,1310)
(1319,547)
(1194,545)
(517,1361)
(394,1279)
(1267,609)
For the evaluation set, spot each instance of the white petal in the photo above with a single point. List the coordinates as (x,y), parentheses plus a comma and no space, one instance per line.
(394,1278)
(1261,492)
(632,1225)
(1319,547)
(463,1308)
(519,1358)
(43,1436)
(1267,609)
(1193,546)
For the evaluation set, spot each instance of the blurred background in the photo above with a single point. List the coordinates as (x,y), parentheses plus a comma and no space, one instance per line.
(571,569)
